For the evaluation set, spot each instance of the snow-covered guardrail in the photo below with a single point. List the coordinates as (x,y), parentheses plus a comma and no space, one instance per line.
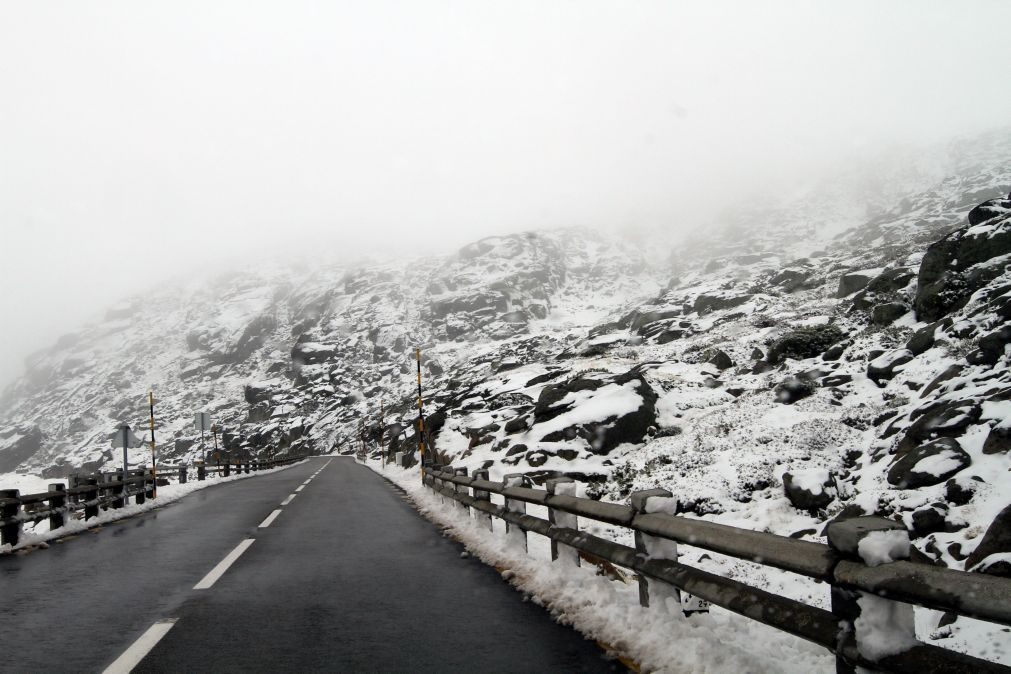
(873,586)
(99,491)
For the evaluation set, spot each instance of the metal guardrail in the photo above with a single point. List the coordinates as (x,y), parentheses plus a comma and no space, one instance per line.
(855,587)
(100,491)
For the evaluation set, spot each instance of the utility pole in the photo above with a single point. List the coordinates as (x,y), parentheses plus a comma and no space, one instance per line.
(154,452)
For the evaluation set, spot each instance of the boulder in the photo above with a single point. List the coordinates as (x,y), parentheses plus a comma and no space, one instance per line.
(998,440)
(612,422)
(988,210)
(721,360)
(996,541)
(886,366)
(810,489)
(888,313)
(991,347)
(792,389)
(517,425)
(790,280)
(930,520)
(706,303)
(954,267)
(924,338)
(929,464)
(948,419)
(852,282)
(960,490)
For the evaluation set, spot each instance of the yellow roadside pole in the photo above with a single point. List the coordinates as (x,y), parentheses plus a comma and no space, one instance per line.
(154,452)
(421,417)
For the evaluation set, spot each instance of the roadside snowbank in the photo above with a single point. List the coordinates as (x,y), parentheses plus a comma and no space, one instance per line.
(39,534)
(609,611)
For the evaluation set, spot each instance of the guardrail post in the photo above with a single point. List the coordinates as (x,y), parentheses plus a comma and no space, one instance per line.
(120,499)
(182,474)
(246,466)
(10,533)
(91,498)
(871,625)
(461,489)
(57,501)
(482,495)
(201,471)
(515,536)
(142,493)
(227,469)
(563,486)
(653,593)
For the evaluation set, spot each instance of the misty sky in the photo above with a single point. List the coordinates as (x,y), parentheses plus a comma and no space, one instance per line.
(142,140)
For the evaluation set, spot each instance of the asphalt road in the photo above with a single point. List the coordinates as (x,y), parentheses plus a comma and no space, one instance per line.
(345,576)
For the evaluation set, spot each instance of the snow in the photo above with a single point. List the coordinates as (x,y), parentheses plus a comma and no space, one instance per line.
(883,547)
(812,480)
(884,627)
(609,401)
(938,464)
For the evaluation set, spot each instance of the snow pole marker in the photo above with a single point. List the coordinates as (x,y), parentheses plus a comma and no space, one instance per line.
(421,417)
(154,452)
(382,423)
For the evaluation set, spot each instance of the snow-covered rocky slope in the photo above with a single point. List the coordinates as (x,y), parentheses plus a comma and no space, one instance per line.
(798,365)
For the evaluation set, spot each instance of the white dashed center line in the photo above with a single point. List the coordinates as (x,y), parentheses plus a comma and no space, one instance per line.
(223,565)
(288,500)
(140,648)
(299,487)
(270,518)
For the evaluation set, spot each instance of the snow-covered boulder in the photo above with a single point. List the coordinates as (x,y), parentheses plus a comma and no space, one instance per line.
(960,263)
(810,489)
(993,554)
(929,464)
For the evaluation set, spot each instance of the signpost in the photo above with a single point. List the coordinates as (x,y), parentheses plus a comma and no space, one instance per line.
(124,437)
(203,424)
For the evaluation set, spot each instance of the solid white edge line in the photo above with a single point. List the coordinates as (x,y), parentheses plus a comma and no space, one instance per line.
(299,487)
(291,497)
(270,518)
(132,656)
(223,565)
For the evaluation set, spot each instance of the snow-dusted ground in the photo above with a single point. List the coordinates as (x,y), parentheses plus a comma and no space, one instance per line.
(39,533)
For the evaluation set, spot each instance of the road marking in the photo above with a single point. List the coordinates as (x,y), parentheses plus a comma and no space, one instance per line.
(223,565)
(299,488)
(270,518)
(307,481)
(288,500)
(132,656)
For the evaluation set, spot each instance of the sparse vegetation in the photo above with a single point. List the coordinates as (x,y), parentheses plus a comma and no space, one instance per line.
(805,342)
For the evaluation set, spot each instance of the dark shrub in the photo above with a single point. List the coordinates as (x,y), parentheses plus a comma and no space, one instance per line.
(804,342)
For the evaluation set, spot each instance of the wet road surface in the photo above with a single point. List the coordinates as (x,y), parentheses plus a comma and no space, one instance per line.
(321,567)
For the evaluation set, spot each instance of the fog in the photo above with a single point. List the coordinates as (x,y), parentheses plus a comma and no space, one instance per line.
(141,141)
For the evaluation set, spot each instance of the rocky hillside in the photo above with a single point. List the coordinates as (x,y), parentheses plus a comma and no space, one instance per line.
(775,374)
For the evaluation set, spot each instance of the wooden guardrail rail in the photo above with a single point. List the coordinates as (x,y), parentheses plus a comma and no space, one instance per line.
(100,491)
(887,589)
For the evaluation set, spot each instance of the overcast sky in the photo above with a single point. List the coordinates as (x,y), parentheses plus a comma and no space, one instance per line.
(139,140)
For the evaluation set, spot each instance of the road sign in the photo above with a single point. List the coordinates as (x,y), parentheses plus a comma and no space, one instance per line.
(202,421)
(124,437)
